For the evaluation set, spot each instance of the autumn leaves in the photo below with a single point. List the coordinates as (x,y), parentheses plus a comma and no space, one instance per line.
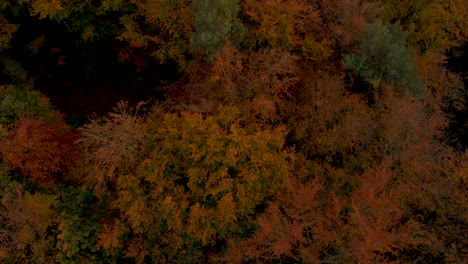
(315,133)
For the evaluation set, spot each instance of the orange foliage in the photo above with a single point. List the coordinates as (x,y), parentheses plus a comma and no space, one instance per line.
(303,225)
(112,145)
(294,227)
(254,84)
(436,25)
(310,28)
(377,228)
(413,133)
(42,150)
(328,120)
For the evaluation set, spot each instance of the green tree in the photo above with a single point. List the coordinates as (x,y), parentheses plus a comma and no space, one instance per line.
(215,21)
(384,58)
(15,101)
(79,221)
(6,32)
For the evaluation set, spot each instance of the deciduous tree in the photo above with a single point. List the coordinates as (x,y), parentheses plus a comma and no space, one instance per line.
(384,59)
(42,150)
(26,226)
(201,182)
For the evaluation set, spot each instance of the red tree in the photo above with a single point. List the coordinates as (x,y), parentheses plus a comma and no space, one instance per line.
(41,149)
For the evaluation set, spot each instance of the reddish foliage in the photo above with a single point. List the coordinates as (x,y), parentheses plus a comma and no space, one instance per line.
(41,149)
(254,84)
(294,227)
(326,119)
(378,227)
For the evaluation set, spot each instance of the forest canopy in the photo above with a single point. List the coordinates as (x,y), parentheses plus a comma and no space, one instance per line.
(227,131)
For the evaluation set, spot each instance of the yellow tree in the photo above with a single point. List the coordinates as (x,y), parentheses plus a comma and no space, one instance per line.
(436,25)
(192,180)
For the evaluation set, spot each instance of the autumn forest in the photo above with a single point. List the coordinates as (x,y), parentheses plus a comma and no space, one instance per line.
(233,131)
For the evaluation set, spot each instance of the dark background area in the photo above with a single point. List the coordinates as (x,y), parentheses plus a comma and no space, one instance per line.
(84,78)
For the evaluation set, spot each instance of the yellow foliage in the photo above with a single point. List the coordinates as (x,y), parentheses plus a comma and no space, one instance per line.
(205,175)
(435,25)
(47,8)
(110,235)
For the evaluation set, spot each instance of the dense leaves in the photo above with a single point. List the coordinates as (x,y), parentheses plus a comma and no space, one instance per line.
(215,21)
(213,175)
(384,58)
(39,149)
(271,131)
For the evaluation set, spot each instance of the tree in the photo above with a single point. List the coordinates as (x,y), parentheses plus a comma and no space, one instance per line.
(254,83)
(15,101)
(378,229)
(216,21)
(40,149)
(411,134)
(288,26)
(165,31)
(435,25)
(294,228)
(26,224)
(201,182)
(384,59)
(79,217)
(330,127)
(6,33)
(307,224)
(113,145)
(313,29)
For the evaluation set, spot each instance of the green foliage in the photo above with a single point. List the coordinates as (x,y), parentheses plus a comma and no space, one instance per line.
(5,177)
(216,20)
(384,58)
(91,19)
(15,101)
(6,32)
(15,71)
(162,29)
(79,214)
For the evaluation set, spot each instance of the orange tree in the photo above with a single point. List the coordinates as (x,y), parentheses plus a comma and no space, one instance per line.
(199,180)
